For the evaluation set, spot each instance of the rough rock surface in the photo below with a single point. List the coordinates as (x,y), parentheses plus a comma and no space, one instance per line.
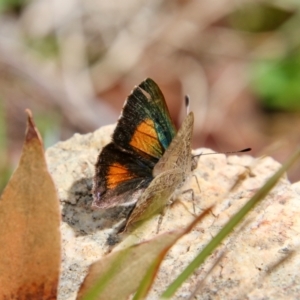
(259,260)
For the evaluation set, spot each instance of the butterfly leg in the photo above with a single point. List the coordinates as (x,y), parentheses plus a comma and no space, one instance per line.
(193,198)
(197,182)
(161,216)
(193,194)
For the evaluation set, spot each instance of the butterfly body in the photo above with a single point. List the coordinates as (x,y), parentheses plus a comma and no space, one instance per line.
(169,173)
(146,161)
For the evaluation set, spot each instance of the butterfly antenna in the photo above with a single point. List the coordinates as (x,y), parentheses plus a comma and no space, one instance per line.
(227,152)
(187,104)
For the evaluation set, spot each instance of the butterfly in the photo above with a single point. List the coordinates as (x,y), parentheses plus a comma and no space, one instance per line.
(147,161)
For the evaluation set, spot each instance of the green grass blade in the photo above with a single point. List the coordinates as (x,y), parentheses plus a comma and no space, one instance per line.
(150,276)
(260,194)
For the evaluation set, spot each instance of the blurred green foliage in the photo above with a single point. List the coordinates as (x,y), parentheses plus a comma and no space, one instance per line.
(5,168)
(49,126)
(258,17)
(46,47)
(12,5)
(277,82)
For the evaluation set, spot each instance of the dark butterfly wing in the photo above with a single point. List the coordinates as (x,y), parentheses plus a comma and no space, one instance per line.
(119,175)
(143,133)
(145,125)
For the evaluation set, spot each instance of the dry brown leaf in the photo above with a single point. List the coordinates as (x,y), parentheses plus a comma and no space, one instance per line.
(29,227)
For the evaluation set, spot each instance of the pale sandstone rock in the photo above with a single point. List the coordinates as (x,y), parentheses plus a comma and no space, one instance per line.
(260,260)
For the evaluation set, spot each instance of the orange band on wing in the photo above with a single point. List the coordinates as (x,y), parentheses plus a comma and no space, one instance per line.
(116,174)
(145,139)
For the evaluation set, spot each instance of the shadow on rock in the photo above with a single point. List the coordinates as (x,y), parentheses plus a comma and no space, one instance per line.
(77,211)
